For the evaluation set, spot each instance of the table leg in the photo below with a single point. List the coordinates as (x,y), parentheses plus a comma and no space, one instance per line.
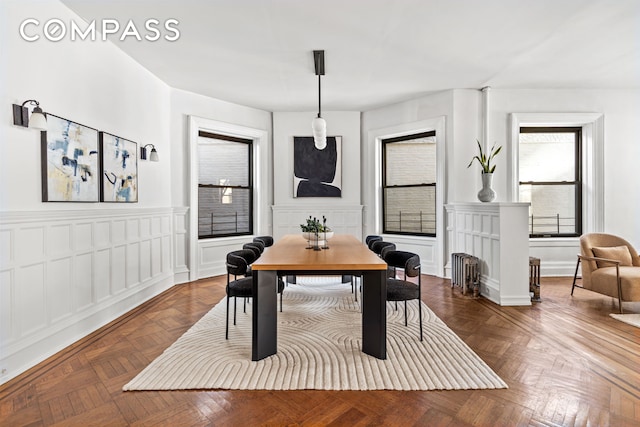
(374,313)
(265,327)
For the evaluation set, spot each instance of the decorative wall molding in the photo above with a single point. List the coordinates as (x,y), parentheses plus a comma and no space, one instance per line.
(180,244)
(65,273)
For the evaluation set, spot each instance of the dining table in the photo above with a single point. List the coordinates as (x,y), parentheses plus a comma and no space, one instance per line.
(344,254)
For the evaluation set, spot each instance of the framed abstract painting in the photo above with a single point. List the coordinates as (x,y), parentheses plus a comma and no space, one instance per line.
(317,173)
(69,158)
(119,166)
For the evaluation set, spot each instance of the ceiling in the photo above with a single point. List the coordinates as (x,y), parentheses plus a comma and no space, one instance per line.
(258,53)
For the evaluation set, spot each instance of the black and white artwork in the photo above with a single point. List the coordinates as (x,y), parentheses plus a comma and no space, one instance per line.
(317,173)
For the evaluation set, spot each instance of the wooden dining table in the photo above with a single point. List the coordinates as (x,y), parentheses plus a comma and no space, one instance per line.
(346,255)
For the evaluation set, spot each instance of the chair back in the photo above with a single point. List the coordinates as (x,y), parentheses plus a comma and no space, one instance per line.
(265,240)
(238,261)
(379,245)
(599,240)
(370,240)
(259,244)
(387,248)
(408,261)
(370,237)
(253,247)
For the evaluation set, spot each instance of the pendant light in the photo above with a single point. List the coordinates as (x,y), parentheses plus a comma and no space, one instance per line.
(319,125)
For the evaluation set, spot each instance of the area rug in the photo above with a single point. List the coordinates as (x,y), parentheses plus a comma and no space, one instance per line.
(631,319)
(319,347)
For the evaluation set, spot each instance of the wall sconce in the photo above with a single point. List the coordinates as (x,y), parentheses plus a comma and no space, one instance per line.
(318,124)
(153,156)
(21,116)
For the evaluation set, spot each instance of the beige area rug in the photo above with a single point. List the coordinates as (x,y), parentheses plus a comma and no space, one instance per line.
(319,341)
(631,319)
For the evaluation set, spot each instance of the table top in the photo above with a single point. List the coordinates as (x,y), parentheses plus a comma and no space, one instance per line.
(345,252)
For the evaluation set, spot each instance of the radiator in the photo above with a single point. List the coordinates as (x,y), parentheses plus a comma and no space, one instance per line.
(465,272)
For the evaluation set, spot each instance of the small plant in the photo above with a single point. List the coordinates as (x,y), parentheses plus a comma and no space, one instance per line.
(484,160)
(313,225)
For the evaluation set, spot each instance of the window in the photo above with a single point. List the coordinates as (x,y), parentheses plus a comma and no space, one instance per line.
(550,179)
(409,184)
(225,190)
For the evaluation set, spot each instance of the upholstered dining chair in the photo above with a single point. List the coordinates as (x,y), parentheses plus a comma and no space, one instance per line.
(237,264)
(402,289)
(256,247)
(371,239)
(380,248)
(610,266)
(265,240)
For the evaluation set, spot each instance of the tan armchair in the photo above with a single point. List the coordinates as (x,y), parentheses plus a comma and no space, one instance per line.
(610,266)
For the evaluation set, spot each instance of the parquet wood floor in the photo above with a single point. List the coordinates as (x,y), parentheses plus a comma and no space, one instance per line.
(565,360)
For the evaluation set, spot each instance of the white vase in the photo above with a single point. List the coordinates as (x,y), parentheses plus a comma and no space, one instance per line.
(486,194)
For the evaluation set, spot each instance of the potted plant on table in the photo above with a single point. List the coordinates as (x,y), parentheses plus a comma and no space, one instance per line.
(486,194)
(316,232)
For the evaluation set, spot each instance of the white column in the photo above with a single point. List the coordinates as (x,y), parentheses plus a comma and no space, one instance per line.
(485,113)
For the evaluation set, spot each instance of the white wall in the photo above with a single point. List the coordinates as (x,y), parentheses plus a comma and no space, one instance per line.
(68,268)
(344,214)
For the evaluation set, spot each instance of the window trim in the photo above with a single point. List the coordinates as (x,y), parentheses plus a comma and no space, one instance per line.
(577,179)
(197,250)
(249,187)
(384,142)
(592,125)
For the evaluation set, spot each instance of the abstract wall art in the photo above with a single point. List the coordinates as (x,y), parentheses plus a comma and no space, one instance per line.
(119,166)
(317,173)
(69,157)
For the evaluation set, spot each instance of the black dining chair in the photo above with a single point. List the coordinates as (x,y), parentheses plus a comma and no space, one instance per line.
(237,265)
(402,289)
(257,250)
(265,240)
(371,239)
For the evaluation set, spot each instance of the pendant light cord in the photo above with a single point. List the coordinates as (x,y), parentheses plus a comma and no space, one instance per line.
(319,97)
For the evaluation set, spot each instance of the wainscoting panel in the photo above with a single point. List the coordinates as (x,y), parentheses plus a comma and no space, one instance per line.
(83,281)
(180,244)
(497,234)
(59,289)
(63,274)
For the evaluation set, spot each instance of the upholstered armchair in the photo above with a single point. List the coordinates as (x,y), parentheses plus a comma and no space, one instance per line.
(610,266)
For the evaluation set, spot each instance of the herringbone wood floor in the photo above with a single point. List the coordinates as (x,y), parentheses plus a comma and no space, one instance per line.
(565,360)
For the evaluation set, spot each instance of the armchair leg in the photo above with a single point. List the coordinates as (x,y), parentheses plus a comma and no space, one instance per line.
(234,311)
(619,289)
(575,276)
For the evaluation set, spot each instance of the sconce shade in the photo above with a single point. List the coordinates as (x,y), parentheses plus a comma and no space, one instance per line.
(38,120)
(153,155)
